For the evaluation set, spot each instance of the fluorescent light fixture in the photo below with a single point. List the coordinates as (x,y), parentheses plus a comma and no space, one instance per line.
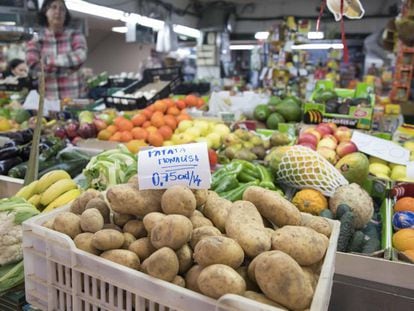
(93,9)
(187,31)
(315,35)
(318,46)
(261,35)
(8,23)
(242,47)
(120,29)
(153,23)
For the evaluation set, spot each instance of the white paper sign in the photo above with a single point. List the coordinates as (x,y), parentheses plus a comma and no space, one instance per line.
(381,148)
(410,170)
(160,168)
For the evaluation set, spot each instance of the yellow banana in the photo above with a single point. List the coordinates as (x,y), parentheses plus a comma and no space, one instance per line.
(65,198)
(55,190)
(35,200)
(27,191)
(50,178)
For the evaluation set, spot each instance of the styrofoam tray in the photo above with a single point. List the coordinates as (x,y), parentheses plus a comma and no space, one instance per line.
(59,276)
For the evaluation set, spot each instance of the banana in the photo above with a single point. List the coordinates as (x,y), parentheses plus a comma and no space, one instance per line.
(35,200)
(50,178)
(27,191)
(55,190)
(63,199)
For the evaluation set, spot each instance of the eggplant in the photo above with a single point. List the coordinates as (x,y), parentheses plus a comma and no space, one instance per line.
(331,106)
(6,165)
(9,152)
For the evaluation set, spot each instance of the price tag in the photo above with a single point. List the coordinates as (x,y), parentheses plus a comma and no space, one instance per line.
(410,170)
(381,148)
(160,168)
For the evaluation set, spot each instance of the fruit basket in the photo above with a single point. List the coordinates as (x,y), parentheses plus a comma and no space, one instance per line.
(58,276)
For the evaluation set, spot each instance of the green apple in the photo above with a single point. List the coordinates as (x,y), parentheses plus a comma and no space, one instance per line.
(184,125)
(193,132)
(202,126)
(182,138)
(221,129)
(205,140)
(409,145)
(377,160)
(168,143)
(378,169)
(215,140)
(398,172)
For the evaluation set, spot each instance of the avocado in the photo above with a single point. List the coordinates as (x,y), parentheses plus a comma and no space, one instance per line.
(273,120)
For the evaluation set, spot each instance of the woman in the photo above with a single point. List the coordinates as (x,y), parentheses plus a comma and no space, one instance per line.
(16,68)
(62,51)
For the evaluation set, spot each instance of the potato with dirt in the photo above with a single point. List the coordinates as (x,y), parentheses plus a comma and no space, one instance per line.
(126,199)
(101,206)
(252,265)
(185,258)
(151,219)
(262,299)
(250,285)
(317,223)
(107,239)
(199,220)
(136,228)
(202,232)
(244,224)
(282,280)
(91,220)
(303,244)
(123,257)
(121,219)
(83,241)
(128,240)
(162,264)
(79,204)
(178,200)
(273,206)
(173,231)
(142,247)
(218,250)
(200,196)
(179,280)
(67,223)
(216,209)
(217,280)
(191,278)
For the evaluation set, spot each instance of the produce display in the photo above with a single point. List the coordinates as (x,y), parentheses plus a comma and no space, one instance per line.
(177,235)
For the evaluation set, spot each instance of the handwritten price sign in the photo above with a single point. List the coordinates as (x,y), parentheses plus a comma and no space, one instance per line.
(160,168)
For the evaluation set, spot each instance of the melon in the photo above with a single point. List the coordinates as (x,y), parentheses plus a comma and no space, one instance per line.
(354,167)
(403,240)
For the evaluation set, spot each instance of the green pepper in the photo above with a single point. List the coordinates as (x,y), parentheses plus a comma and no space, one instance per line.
(264,173)
(227,170)
(245,177)
(52,151)
(227,183)
(237,194)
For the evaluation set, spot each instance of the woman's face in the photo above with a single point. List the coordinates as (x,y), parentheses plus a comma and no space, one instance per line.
(56,14)
(20,70)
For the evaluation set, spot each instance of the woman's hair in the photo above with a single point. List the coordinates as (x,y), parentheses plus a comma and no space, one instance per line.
(14,63)
(42,13)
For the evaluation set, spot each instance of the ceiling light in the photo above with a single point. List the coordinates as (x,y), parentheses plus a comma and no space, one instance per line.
(153,23)
(93,9)
(120,29)
(315,35)
(8,23)
(261,35)
(242,47)
(318,46)
(187,31)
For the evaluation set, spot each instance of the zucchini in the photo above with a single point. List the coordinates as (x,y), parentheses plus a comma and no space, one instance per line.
(73,167)
(357,242)
(346,231)
(19,171)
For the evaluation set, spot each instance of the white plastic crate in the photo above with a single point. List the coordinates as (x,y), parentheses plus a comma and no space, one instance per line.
(58,276)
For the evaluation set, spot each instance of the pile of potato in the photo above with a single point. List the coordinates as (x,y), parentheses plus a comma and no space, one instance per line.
(197,240)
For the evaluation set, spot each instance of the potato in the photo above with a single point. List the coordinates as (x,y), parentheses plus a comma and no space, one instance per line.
(107,239)
(273,206)
(68,223)
(191,278)
(142,247)
(134,181)
(151,219)
(218,250)
(200,196)
(304,244)
(197,213)
(317,223)
(252,266)
(128,240)
(121,219)
(112,226)
(185,258)
(200,221)
(269,231)
(310,276)
(83,241)
(245,225)
(162,264)
(173,231)
(49,223)
(202,232)
(178,200)
(179,280)
(262,299)
(91,220)
(218,280)
(101,206)
(250,285)
(126,199)
(123,257)
(136,228)
(216,209)
(79,204)
(281,279)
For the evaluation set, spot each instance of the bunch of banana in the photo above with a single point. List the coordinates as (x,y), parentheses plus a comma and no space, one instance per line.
(52,190)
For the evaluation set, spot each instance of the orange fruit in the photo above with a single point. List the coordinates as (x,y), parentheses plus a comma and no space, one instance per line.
(170,102)
(146,124)
(151,129)
(138,119)
(147,112)
(174,111)
(180,104)
(118,119)
(115,137)
(139,133)
(200,103)
(155,139)
(160,105)
(112,129)
(191,100)
(182,117)
(150,108)
(165,131)
(126,136)
(125,125)
(104,134)
(404,204)
(135,145)
(157,119)
(170,121)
